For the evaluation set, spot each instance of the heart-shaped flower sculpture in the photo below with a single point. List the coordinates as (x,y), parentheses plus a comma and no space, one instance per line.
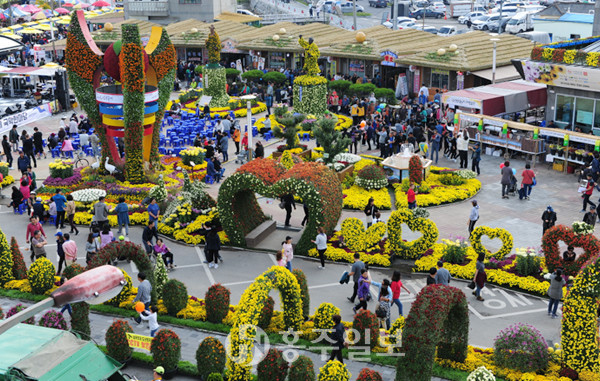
(412,249)
(355,236)
(589,243)
(502,234)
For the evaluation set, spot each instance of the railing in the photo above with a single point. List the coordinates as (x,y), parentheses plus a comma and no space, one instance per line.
(148,8)
(275,18)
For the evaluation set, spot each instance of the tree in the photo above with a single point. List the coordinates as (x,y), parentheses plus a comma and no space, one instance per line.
(331,140)
(341,86)
(290,123)
(253,75)
(19,267)
(274,76)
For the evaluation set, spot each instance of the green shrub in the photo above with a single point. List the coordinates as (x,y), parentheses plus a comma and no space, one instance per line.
(388,95)
(371,177)
(217,303)
(367,374)
(175,296)
(274,76)
(451,180)
(280,111)
(116,340)
(210,357)
(521,347)
(253,75)
(348,181)
(166,349)
(366,323)
(215,377)
(455,253)
(301,278)
(267,313)
(362,89)
(41,275)
(302,369)
(231,73)
(80,320)
(341,86)
(528,265)
(273,367)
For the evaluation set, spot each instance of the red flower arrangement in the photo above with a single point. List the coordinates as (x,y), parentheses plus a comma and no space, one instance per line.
(415,169)
(80,59)
(589,243)
(268,170)
(536,53)
(166,349)
(19,267)
(558,55)
(273,367)
(116,340)
(367,374)
(217,303)
(366,323)
(163,62)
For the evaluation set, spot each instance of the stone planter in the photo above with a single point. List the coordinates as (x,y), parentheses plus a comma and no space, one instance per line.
(345,172)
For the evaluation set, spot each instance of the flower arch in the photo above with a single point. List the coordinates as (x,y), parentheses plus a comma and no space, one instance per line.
(243,332)
(438,319)
(317,186)
(588,242)
(579,330)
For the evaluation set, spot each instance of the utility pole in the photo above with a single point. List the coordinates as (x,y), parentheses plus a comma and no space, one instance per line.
(500,19)
(354,13)
(395,15)
(596,27)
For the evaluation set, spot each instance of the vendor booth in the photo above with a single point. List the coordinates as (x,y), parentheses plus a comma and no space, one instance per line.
(500,99)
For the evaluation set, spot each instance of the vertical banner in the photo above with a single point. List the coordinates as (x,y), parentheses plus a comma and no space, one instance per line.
(417,81)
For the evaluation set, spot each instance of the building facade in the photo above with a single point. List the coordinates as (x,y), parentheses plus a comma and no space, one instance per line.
(170,11)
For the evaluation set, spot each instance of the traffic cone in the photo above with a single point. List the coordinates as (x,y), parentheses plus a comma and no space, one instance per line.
(445,16)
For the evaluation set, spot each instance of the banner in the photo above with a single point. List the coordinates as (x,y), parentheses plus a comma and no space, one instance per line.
(571,76)
(401,86)
(26,117)
(388,58)
(139,341)
(454,101)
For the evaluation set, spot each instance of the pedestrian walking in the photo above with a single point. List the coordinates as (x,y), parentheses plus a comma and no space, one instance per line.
(397,287)
(106,236)
(591,217)
(385,301)
(147,235)
(70,211)
(507,173)
(60,240)
(39,241)
(435,146)
(363,291)
(555,292)
(480,276)
(442,276)
(589,189)
(224,144)
(60,200)
(305,219)
(101,213)
(411,197)
(321,242)
(91,247)
(287,202)
(144,294)
(338,339)
(213,245)
(7,151)
(548,219)
(462,144)
(152,320)
(23,162)
(288,252)
(279,258)
(476,158)
(431,277)
(70,249)
(13,136)
(122,210)
(33,226)
(473,216)
(370,211)
(355,273)
(527,183)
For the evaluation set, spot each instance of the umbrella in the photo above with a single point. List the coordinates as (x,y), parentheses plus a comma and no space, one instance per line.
(39,16)
(45,27)
(48,12)
(101,3)
(30,31)
(12,35)
(63,22)
(51,65)
(31,23)
(16,12)
(62,11)
(68,5)
(85,5)
(77,6)
(30,8)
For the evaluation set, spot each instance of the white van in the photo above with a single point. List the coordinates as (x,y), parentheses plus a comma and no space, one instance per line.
(537,37)
(519,23)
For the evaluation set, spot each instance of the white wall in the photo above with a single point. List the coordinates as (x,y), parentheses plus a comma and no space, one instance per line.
(562,30)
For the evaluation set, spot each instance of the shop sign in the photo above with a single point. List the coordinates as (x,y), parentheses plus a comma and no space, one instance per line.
(388,58)
(357,65)
(416,79)
(26,117)
(229,47)
(557,133)
(139,341)
(460,80)
(455,101)
(574,77)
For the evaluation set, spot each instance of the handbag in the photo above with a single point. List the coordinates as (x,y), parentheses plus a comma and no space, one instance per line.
(380,311)
(534,182)
(471,285)
(282,205)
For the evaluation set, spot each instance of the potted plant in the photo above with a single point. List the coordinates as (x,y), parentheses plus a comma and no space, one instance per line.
(579,154)
(116,341)
(552,149)
(216,301)
(572,154)
(210,357)
(560,151)
(166,351)
(175,296)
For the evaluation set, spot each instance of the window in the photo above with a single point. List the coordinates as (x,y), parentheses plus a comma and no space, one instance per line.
(439,78)
(574,36)
(584,114)
(190,1)
(564,110)
(597,115)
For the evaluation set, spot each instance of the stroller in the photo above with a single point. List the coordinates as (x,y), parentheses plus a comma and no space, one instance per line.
(242,157)
(512,188)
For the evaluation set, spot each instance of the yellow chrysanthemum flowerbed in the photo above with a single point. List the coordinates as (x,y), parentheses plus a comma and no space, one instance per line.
(8,180)
(356,197)
(343,122)
(498,276)
(439,193)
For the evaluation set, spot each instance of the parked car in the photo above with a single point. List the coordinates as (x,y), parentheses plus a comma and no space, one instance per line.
(438,6)
(484,22)
(420,13)
(378,3)
(403,22)
(470,16)
(503,24)
(245,12)
(427,28)
(519,23)
(446,31)
(348,7)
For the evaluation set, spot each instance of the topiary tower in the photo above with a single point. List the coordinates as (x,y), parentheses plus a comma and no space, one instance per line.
(217,303)
(210,357)
(366,325)
(160,277)
(175,296)
(273,367)
(310,90)
(116,340)
(415,169)
(332,141)
(19,267)
(367,374)
(334,371)
(267,313)
(166,349)
(213,74)
(6,261)
(41,275)
(302,369)
(80,319)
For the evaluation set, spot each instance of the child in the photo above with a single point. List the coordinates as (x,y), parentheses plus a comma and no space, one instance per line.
(377,218)
(151,317)
(280,261)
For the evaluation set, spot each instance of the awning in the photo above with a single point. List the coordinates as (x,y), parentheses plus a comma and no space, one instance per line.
(28,70)
(503,73)
(8,45)
(501,98)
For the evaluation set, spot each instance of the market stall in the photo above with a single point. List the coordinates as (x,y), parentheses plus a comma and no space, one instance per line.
(500,99)
(563,149)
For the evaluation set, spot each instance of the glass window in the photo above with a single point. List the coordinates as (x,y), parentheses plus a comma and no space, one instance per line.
(439,79)
(563,112)
(597,115)
(584,114)
(190,1)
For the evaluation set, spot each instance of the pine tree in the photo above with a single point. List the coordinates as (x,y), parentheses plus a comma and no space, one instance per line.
(19,267)
(332,141)
(290,123)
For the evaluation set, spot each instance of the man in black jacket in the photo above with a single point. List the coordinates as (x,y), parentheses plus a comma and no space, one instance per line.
(147,236)
(7,150)
(338,339)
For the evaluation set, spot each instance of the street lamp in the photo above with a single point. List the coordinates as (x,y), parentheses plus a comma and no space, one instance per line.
(249,99)
(494,40)
(94,286)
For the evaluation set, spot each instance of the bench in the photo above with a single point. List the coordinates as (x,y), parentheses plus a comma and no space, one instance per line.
(260,232)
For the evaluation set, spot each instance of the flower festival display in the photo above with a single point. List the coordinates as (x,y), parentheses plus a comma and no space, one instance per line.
(6,261)
(117,345)
(88,195)
(145,93)
(61,168)
(589,243)
(315,184)
(246,318)
(334,371)
(582,228)
(53,319)
(412,249)
(502,234)
(371,177)
(41,275)
(213,74)
(415,169)
(166,349)
(438,320)
(210,357)
(521,347)
(357,238)
(310,90)
(481,374)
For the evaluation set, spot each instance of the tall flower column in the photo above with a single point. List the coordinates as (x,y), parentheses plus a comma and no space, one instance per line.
(213,74)
(133,80)
(310,90)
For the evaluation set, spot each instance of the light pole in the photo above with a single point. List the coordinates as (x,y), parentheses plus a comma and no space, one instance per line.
(248,99)
(494,40)
(354,13)
(395,15)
